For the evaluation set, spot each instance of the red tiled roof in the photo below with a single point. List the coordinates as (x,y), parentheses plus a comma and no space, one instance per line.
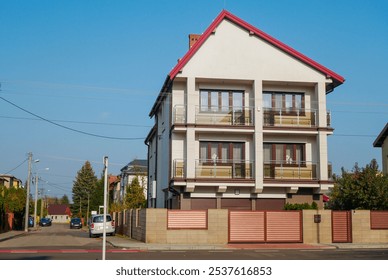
(58,209)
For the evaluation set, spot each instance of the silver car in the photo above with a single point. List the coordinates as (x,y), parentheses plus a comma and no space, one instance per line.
(96,225)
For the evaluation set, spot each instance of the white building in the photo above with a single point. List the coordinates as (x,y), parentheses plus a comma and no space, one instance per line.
(240,123)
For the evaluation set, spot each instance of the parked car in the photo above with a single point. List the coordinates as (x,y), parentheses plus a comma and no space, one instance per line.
(75,223)
(96,226)
(45,222)
(30,221)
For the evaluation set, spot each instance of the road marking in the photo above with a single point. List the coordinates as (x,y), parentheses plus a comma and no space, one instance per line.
(311,250)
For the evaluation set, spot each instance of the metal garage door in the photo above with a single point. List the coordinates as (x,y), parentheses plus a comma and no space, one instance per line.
(284,226)
(246,226)
(341,226)
(265,226)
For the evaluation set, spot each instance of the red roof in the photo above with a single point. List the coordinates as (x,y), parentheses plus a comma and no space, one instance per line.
(58,209)
(255,31)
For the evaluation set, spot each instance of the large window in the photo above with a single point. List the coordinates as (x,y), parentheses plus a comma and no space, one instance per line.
(284,153)
(221,100)
(221,151)
(285,101)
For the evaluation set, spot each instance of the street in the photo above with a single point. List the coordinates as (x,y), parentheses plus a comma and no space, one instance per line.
(59,242)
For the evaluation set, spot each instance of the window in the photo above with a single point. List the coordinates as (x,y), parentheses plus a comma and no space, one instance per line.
(285,101)
(279,153)
(221,100)
(222,152)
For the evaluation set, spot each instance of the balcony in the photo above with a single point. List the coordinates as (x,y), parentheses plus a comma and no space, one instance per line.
(226,116)
(218,169)
(291,117)
(290,171)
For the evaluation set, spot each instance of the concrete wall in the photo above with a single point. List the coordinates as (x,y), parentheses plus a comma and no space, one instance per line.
(150,226)
(316,232)
(361,229)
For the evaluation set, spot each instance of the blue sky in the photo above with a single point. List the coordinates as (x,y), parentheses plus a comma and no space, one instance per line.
(97,67)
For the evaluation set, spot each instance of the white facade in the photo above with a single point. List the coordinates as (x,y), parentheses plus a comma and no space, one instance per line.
(238,121)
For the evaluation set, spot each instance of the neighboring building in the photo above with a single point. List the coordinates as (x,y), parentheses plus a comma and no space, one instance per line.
(59,213)
(137,167)
(9,180)
(382,142)
(240,123)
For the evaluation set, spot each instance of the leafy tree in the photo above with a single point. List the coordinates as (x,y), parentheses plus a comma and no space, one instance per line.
(363,188)
(83,187)
(134,197)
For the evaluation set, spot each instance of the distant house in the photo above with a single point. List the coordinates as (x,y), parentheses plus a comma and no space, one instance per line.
(382,142)
(137,167)
(59,213)
(9,180)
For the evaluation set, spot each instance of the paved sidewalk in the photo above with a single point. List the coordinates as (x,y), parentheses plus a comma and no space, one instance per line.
(124,242)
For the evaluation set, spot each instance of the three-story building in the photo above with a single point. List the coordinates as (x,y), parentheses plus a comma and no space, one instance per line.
(240,123)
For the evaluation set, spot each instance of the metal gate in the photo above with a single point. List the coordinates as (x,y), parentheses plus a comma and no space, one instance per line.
(265,226)
(341,226)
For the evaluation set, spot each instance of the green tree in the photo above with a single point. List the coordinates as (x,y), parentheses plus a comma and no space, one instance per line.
(65,200)
(84,186)
(134,197)
(362,188)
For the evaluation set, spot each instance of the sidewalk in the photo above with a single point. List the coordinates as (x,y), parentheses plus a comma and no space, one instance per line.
(126,243)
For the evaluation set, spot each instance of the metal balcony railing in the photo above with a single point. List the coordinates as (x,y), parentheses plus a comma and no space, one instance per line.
(290,117)
(221,169)
(290,170)
(229,169)
(216,116)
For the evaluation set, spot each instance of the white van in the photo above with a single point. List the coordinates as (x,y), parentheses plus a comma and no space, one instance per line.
(96,226)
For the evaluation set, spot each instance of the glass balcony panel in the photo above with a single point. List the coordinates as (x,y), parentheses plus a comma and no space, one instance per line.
(224,169)
(297,171)
(237,115)
(289,117)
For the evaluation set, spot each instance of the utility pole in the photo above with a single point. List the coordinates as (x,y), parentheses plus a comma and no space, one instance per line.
(28,193)
(105,205)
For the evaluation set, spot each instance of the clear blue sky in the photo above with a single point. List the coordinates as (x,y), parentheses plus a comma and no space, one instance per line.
(97,66)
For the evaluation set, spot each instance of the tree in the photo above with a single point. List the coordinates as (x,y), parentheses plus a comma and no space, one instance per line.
(12,200)
(83,187)
(134,197)
(65,200)
(363,188)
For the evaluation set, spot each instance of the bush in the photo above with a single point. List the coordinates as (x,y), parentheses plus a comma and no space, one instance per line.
(300,206)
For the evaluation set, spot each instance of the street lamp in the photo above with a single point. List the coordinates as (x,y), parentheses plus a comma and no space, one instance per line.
(36,194)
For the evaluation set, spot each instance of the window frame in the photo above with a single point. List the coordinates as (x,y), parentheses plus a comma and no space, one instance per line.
(284,161)
(283,100)
(219,107)
(220,145)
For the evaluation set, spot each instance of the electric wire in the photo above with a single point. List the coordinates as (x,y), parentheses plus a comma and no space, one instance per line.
(16,167)
(69,128)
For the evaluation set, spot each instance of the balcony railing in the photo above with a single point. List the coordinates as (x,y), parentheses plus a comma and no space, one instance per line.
(217,116)
(228,169)
(290,117)
(285,170)
(220,169)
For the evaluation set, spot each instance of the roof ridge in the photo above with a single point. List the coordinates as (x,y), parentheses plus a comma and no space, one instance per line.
(273,41)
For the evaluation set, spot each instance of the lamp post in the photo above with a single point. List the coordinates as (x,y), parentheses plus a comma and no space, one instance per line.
(26,218)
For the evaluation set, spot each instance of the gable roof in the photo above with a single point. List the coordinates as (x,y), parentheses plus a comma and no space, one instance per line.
(254,31)
(58,209)
(225,15)
(381,138)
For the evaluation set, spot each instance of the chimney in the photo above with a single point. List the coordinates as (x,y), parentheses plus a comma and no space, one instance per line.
(193,38)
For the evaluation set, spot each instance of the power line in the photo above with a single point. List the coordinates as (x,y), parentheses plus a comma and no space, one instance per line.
(78,122)
(16,167)
(69,128)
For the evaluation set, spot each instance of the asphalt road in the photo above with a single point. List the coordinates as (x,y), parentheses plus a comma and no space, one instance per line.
(59,242)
